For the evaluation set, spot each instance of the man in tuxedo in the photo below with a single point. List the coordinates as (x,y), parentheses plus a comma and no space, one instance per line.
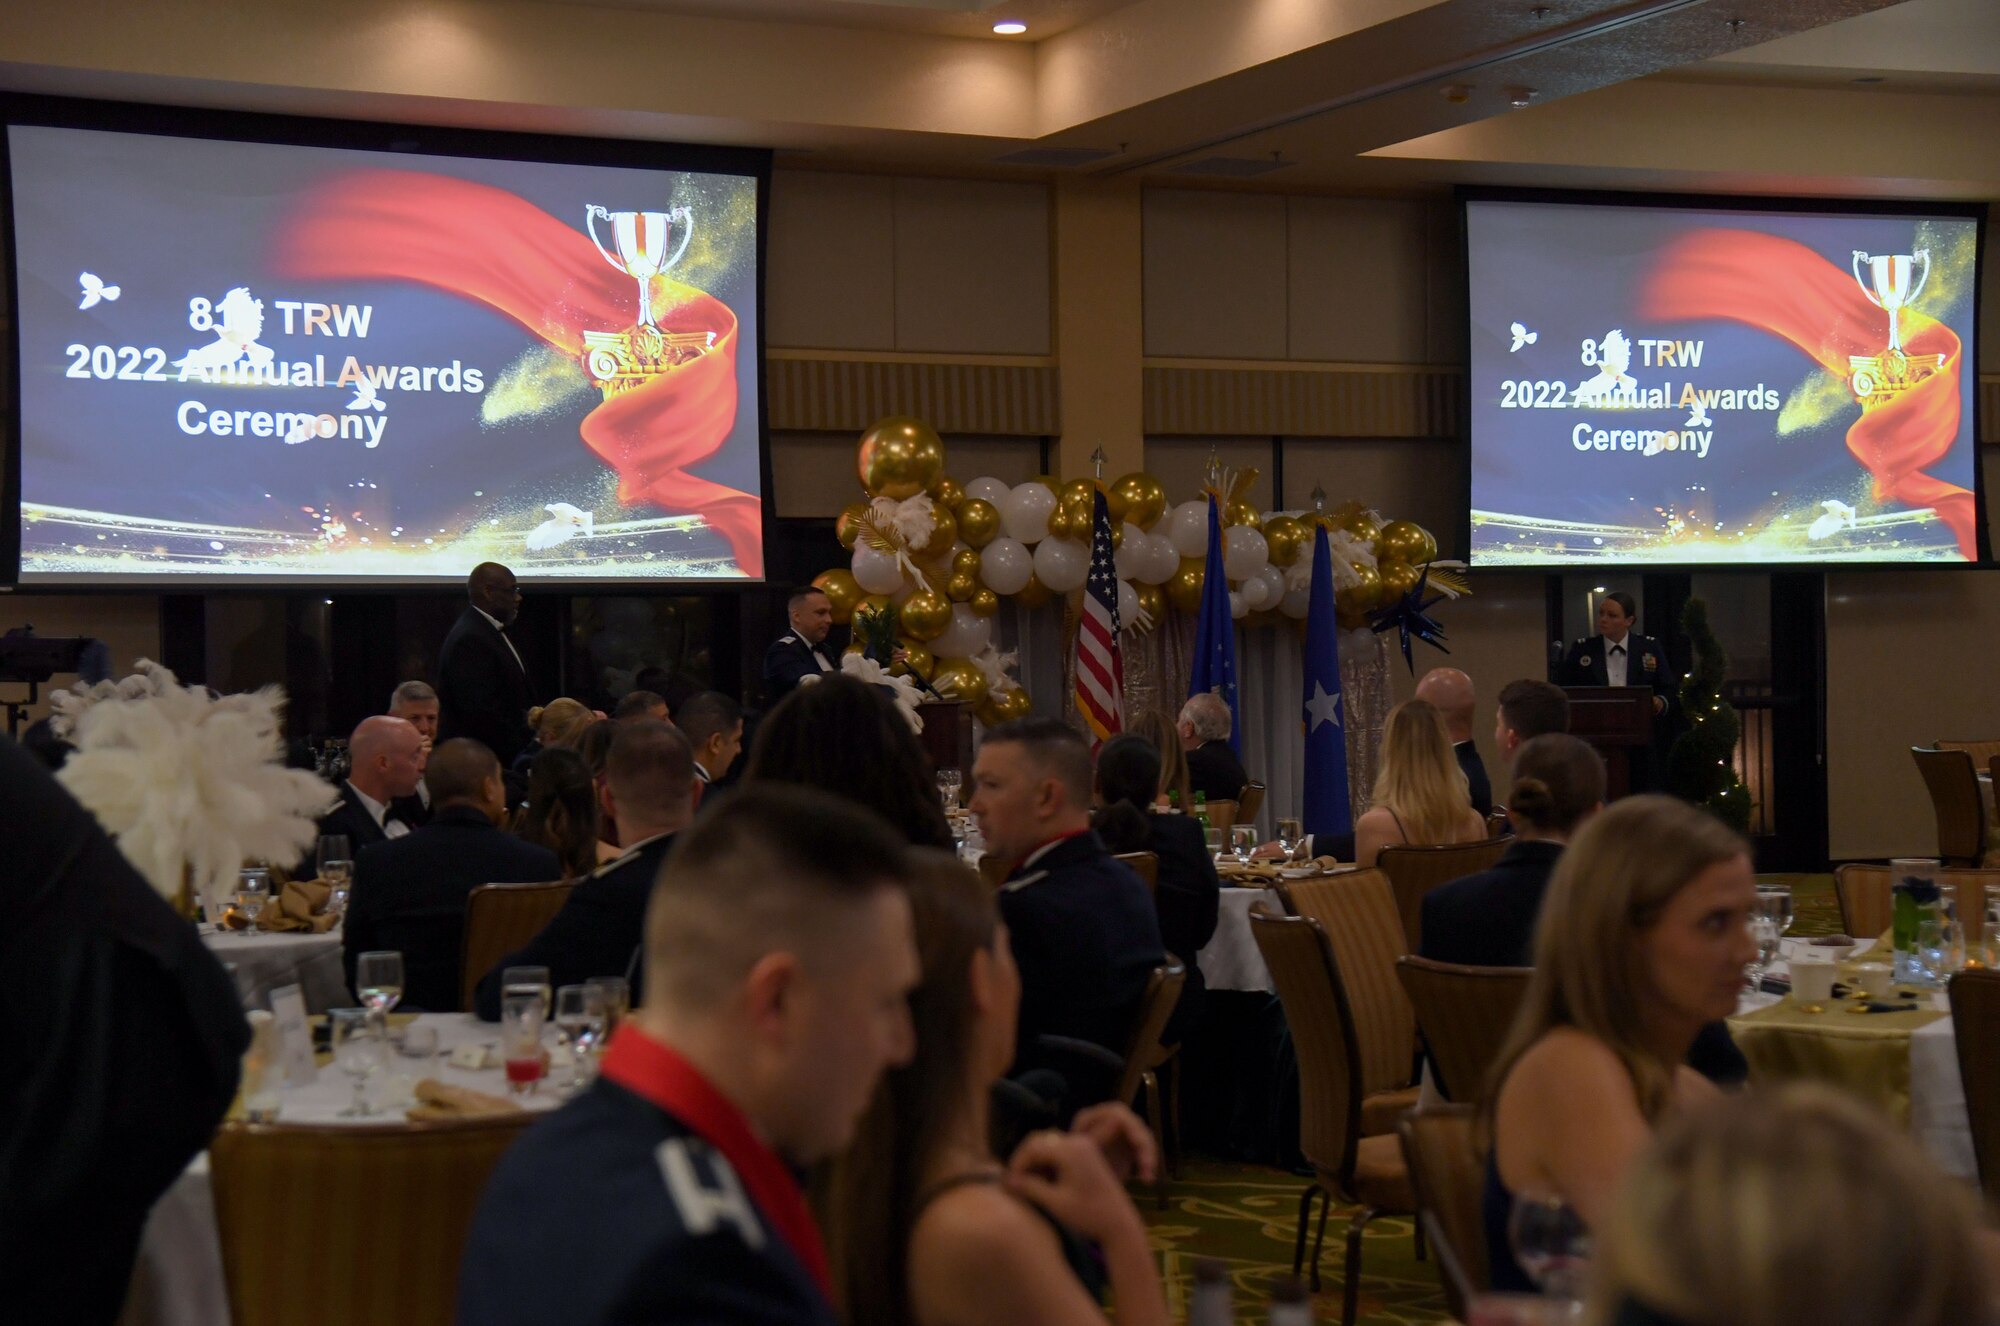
(410,892)
(1451,691)
(713,725)
(1616,656)
(1214,771)
(416,704)
(1081,924)
(801,652)
(387,759)
(649,790)
(483,690)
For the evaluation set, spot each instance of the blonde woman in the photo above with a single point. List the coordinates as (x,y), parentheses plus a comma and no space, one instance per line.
(1420,793)
(1795,1207)
(1158,728)
(1642,942)
(558,723)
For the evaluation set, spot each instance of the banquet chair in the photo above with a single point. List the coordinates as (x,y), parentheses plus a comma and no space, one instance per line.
(1465,1013)
(1955,802)
(1367,1171)
(1975,1023)
(1983,753)
(1358,914)
(1867,906)
(1249,802)
(1146,1057)
(1146,865)
(1441,1148)
(1222,815)
(499,919)
(301,1208)
(1415,871)
(1497,823)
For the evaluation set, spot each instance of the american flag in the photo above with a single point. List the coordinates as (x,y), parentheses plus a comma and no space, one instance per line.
(1100,667)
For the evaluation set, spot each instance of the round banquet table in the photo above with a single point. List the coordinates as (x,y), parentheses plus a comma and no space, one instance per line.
(178,1279)
(1230,960)
(264,962)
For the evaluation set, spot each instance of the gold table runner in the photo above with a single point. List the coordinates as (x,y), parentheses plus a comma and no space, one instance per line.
(1866,1053)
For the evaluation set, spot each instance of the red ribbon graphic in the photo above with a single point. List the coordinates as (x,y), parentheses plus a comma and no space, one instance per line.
(1781,286)
(488,245)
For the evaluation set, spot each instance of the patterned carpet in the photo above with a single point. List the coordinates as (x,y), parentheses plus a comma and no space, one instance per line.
(1247,1215)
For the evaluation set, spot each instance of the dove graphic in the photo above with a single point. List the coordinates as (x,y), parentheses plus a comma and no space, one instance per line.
(365,397)
(565,523)
(1699,419)
(1522,336)
(94,290)
(1839,515)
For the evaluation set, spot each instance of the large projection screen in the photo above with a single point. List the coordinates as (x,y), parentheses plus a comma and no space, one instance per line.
(264,362)
(1716,385)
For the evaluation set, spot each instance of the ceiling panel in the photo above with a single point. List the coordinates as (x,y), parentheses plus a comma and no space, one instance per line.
(958,18)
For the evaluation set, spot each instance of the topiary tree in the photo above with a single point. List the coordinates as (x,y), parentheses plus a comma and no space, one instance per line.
(1701,767)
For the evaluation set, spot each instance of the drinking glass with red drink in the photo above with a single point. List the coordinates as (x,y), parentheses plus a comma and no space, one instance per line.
(521,1041)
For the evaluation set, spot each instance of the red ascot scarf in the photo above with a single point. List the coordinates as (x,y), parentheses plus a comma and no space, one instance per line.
(657,1073)
(488,245)
(1782,286)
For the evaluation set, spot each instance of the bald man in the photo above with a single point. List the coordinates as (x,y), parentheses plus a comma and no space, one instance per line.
(482,683)
(1451,691)
(387,755)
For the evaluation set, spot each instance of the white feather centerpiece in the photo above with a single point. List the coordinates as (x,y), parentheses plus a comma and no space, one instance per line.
(190,785)
(904,691)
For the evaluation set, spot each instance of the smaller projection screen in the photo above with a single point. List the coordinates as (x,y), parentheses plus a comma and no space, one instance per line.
(272,363)
(1710,386)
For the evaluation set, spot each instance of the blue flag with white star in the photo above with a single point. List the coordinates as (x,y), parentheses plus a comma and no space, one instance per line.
(1326,811)
(1215,633)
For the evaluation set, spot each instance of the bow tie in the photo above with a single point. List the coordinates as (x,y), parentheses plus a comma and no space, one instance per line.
(1618,649)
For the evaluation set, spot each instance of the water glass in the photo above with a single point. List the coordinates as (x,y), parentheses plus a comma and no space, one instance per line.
(1934,965)
(521,1040)
(1764,930)
(1291,837)
(359,1048)
(616,993)
(580,1016)
(378,979)
(334,851)
(949,783)
(1775,901)
(528,981)
(253,890)
(1551,1244)
(1243,841)
(1213,837)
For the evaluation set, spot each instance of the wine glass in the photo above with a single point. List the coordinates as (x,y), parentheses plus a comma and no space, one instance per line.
(1775,901)
(1763,930)
(616,993)
(378,979)
(521,1040)
(1213,837)
(1291,837)
(333,850)
(1550,1242)
(528,981)
(949,783)
(580,1015)
(357,1051)
(1243,842)
(253,890)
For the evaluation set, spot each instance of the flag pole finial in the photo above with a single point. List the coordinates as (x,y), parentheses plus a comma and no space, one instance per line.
(1214,469)
(1097,463)
(1319,497)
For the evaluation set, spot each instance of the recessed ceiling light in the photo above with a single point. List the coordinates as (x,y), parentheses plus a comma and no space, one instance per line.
(1520,98)
(1010,27)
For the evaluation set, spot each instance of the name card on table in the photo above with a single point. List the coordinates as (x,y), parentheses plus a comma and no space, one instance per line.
(295,1047)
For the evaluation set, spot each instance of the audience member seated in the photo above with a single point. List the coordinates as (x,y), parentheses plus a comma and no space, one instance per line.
(1420,797)
(595,747)
(1526,710)
(416,704)
(560,722)
(674,688)
(124,1044)
(561,813)
(713,725)
(927,1227)
(409,892)
(780,962)
(1488,919)
(640,704)
(1214,771)
(1080,924)
(1158,729)
(1188,892)
(649,787)
(849,739)
(1450,691)
(385,758)
(1778,1209)
(1642,943)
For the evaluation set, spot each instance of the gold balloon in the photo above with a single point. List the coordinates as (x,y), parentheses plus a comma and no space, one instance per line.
(841,591)
(1183,588)
(960,679)
(1003,707)
(966,560)
(1062,524)
(961,586)
(899,457)
(1078,492)
(1358,523)
(926,615)
(1287,539)
(1240,513)
(848,528)
(1398,579)
(1404,541)
(984,602)
(1145,498)
(919,661)
(978,521)
(944,531)
(1050,482)
(1033,594)
(947,492)
(1152,602)
(875,603)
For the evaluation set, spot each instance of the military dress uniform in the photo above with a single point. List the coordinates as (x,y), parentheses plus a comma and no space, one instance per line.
(790,660)
(1592,661)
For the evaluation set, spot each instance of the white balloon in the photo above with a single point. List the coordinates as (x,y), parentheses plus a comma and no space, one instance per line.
(1266,589)
(1297,602)
(988,489)
(1025,515)
(1061,564)
(1128,606)
(1130,559)
(1187,528)
(1244,551)
(1237,607)
(966,636)
(1005,565)
(875,571)
(1161,559)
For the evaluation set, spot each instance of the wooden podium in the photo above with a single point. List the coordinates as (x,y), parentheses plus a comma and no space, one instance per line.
(947,736)
(1615,720)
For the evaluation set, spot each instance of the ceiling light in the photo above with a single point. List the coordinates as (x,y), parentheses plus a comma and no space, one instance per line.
(1010,27)
(1456,93)
(1520,97)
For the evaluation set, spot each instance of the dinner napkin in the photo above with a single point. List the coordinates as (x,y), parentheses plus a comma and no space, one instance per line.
(301,906)
(441,1100)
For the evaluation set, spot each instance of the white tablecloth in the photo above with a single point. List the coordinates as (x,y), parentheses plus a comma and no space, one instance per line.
(178,1279)
(264,962)
(1230,961)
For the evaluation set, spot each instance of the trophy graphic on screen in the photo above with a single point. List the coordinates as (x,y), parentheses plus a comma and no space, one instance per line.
(642,248)
(1885,278)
